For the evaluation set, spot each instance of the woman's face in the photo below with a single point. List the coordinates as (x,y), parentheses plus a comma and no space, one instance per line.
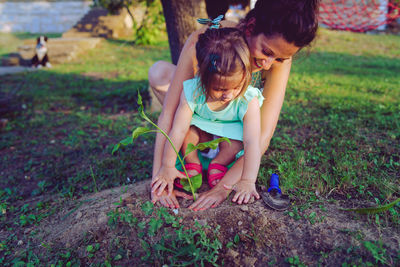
(266,51)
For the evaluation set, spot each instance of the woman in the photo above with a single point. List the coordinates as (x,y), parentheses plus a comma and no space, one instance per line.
(275,30)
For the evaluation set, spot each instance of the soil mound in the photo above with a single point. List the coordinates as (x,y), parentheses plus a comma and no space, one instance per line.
(321,235)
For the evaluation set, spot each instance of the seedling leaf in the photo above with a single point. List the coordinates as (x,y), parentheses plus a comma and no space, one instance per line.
(147,208)
(140,131)
(125,142)
(141,109)
(116,147)
(236,239)
(117,257)
(190,148)
(147,249)
(210,144)
(196,182)
(154,226)
(373,210)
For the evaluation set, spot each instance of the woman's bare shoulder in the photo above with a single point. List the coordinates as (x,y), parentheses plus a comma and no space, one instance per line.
(194,36)
(228,24)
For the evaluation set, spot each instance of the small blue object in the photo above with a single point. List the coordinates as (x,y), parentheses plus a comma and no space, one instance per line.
(213,23)
(274,183)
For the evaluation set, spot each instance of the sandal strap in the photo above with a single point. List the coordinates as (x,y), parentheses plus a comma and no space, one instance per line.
(194,166)
(217,166)
(216,176)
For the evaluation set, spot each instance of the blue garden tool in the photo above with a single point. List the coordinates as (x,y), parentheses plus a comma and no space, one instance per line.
(274,183)
(274,197)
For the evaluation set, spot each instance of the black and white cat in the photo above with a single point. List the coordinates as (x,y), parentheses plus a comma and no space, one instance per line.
(41,59)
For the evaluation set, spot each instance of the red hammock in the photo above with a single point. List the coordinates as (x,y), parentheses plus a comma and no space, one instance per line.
(358,15)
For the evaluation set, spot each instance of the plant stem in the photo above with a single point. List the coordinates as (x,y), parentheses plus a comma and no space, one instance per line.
(176,152)
(94,180)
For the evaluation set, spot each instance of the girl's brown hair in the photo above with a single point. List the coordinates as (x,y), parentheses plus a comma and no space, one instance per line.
(222,52)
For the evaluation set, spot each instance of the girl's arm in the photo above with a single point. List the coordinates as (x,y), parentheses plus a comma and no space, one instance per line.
(274,93)
(167,173)
(246,188)
(184,71)
(251,137)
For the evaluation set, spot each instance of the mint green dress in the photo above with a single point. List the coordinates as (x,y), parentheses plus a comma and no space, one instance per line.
(225,123)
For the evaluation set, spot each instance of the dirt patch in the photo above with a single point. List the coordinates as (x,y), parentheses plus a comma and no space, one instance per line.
(266,236)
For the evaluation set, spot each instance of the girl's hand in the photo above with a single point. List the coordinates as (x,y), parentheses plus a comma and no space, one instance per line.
(210,199)
(169,201)
(245,190)
(165,178)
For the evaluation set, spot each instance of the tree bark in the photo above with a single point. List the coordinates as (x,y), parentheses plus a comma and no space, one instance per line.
(180,18)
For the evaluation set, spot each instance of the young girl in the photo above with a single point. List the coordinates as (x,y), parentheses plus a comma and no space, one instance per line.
(218,101)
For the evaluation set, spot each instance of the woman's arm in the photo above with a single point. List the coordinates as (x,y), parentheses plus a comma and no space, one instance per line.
(167,173)
(274,94)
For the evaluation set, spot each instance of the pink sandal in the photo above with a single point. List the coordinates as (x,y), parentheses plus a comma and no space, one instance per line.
(216,176)
(189,166)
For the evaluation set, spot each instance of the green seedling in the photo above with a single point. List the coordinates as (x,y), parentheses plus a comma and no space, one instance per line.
(27,219)
(377,251)
(94,180)
(295,261)
(235,242)
(373,210)
(90,249)
(194,182)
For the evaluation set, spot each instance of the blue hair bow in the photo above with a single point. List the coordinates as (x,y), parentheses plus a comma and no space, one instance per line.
(213,60)
(213,23)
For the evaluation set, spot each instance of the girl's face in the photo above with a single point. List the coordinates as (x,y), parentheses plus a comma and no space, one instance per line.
(266,51)
(226,88)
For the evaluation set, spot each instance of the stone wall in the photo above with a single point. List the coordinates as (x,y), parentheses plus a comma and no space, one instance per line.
(41,16)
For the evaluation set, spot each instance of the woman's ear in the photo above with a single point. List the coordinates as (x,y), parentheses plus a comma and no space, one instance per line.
(250,25)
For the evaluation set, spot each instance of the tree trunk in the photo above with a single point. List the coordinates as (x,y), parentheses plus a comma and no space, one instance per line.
(180,17)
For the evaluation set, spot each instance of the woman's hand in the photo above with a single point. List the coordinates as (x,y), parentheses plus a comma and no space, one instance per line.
(169,201)
(165,178)
(245,190)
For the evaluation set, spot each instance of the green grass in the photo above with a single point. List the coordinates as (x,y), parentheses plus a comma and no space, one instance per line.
(74,114)
(339,127)
(338,133)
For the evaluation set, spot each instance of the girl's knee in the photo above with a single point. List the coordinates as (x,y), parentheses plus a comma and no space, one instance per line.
(234,145)
(192,136)
(193,130)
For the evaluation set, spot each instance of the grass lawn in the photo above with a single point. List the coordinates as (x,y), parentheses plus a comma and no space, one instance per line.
(338,136)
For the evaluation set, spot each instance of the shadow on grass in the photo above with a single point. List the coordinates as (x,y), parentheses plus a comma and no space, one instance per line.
(61,138)
(47,89)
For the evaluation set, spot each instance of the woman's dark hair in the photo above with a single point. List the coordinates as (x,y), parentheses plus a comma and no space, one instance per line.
(222,53)
(295,20)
